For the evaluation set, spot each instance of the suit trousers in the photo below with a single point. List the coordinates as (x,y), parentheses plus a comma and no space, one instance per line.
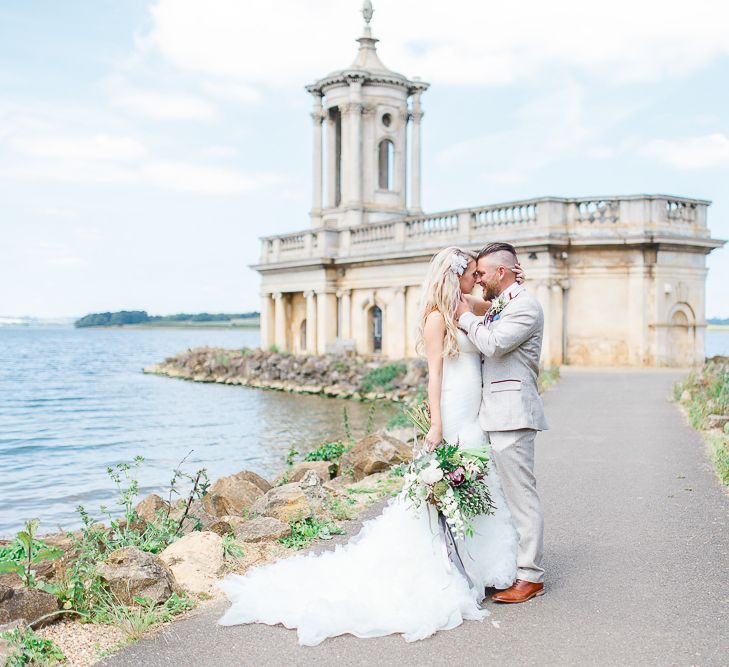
(512,453)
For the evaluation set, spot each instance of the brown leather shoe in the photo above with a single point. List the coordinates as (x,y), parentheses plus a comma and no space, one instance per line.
(520,591)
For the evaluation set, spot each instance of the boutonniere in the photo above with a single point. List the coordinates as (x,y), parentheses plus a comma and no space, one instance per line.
(494,313)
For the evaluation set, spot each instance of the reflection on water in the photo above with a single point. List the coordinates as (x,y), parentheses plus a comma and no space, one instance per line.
(73,402)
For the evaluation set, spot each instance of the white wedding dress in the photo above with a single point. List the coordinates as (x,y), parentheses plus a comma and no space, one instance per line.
(394,575)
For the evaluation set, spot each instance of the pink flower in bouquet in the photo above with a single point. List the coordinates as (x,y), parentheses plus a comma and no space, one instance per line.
(457,476)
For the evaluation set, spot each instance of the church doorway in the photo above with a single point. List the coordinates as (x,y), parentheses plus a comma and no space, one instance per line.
(376,329)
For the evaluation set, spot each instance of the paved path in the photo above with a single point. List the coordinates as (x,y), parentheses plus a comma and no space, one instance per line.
(637,555)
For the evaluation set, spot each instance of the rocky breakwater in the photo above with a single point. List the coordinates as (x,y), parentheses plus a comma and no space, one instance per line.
(165,557)
(329,375)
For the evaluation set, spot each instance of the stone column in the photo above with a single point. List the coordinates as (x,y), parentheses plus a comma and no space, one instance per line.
(416,116)
(331,162)
(280,321)
(317,117)
(266,321)
(326,330)
(396,324)
(352,159)
(311,321)
(345,311)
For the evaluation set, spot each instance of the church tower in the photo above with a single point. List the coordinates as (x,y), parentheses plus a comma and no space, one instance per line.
(366,119)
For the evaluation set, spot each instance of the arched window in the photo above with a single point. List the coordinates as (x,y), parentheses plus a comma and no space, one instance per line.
(376,328)
(385,164)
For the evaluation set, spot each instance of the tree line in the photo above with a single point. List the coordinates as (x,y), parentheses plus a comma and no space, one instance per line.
(141,317)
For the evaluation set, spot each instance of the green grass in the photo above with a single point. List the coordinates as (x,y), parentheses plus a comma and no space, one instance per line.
(706,392)
(381,378)
(305,531)
(719,448)
(547,378)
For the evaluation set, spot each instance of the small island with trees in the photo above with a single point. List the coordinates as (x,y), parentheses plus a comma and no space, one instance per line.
(140,318)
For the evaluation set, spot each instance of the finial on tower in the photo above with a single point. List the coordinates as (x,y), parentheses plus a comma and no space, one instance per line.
(367,11)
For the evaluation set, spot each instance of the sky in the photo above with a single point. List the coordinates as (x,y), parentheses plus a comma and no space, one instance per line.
(146,145)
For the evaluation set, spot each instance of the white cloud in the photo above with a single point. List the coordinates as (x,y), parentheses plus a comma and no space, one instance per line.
(203,179)
(711,150)
(87,148)
(164,105)
(236,92)
(221,151)
(285,42)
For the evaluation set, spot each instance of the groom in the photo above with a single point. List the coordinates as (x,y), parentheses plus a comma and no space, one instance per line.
(510,339)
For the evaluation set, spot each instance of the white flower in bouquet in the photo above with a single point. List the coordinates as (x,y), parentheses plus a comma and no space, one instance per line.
(431,473)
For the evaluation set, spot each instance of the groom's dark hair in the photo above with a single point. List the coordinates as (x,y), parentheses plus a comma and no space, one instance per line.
(491,248)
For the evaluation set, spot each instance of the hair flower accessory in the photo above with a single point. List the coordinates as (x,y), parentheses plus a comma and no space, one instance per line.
(458,264)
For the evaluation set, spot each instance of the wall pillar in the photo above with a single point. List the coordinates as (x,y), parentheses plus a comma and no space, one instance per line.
(311,321)
(396,324)
(326,306)
(317,161)
(280,321)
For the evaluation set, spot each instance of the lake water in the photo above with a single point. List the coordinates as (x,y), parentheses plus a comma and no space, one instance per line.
(74,401)
(717,342)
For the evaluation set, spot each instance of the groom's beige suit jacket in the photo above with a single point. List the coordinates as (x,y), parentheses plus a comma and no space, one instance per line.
(511,346)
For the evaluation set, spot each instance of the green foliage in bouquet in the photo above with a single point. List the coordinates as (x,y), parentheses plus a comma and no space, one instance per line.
(450,477)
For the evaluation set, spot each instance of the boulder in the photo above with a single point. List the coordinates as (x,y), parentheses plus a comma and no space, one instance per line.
(196,561)
(297,471)
(220,527)
(25,604)
(235,493)
(262,529)
(716,421)
(148,508)
(405,434)
(295,500)
(131,573)
(375,453)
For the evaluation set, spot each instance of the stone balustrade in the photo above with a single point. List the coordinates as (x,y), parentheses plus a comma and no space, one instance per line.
(520,221)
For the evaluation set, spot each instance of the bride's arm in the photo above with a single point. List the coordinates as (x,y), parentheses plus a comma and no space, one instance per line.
(434,335)
(478,305)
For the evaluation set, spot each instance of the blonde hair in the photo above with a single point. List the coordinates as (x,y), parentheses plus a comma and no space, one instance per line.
(440,291)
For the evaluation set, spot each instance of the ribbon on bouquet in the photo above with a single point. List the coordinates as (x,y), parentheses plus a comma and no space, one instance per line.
(450,551)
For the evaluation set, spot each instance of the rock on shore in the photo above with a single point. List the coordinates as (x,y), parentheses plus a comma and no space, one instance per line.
(331,375)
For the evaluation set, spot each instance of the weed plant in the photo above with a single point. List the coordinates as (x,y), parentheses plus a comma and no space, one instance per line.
(24,553)
(305,531)
(28,648)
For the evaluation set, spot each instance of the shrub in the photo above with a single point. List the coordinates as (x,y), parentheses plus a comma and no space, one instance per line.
(30,649)
(382,377)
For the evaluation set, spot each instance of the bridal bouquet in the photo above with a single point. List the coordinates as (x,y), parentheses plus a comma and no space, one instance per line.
(450,477)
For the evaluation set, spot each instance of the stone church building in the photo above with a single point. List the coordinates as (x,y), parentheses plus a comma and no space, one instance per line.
(621,278)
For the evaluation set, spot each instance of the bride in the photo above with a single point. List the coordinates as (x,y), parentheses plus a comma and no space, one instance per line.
(394,576)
